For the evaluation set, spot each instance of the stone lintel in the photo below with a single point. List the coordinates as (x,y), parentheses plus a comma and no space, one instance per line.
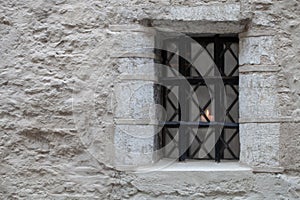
(211,12)
(199,27)
(213,18)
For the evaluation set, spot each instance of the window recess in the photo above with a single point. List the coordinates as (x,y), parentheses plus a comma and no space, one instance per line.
(201,121)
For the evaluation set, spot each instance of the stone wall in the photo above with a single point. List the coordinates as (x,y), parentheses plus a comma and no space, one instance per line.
(66,73)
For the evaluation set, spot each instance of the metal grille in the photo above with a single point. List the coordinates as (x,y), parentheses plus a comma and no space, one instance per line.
(195,129)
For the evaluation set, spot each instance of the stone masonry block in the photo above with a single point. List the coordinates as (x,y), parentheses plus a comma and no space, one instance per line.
(134,144)
(260,144)
(216,12)
(290,145)
(133,66)
(257,50)
(257,96)
(214,18)
(135,100)
(264,18)
(132,42)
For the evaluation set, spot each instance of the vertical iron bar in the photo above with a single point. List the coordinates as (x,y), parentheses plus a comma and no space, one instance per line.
(219,101)
(164,95)
(184,107)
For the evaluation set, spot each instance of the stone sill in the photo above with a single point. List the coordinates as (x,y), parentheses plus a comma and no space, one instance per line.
(169,165)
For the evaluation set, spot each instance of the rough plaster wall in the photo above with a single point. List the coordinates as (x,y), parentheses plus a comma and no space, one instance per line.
(289,79)
(55,54)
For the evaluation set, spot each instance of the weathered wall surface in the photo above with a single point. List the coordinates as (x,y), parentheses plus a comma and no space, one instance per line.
(58,74)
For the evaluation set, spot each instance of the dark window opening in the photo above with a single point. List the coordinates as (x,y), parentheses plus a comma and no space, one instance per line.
(201,121)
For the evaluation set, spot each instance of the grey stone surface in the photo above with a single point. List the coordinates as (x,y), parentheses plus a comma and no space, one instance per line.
(257,96)
(133,66)
(212,12)
(231,185)
(134,145)
(131,42)
(257,50)
(134,99)
(290,145)
(58,74)
(260,144)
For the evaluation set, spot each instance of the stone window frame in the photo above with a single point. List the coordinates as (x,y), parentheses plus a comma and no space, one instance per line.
(259,133)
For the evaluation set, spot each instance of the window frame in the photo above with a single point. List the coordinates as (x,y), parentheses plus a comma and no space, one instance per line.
(220,48)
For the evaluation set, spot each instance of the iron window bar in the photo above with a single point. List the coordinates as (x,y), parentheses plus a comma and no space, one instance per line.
(221,46)
(176,124)
(200,80)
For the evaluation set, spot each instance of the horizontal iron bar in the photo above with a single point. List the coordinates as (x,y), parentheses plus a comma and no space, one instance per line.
(176,124)
(233,80)
(211,39)
(195,158)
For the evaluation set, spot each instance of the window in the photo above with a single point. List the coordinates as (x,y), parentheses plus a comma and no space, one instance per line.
(199,92)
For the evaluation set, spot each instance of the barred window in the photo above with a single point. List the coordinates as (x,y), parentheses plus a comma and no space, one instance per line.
(199,92)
